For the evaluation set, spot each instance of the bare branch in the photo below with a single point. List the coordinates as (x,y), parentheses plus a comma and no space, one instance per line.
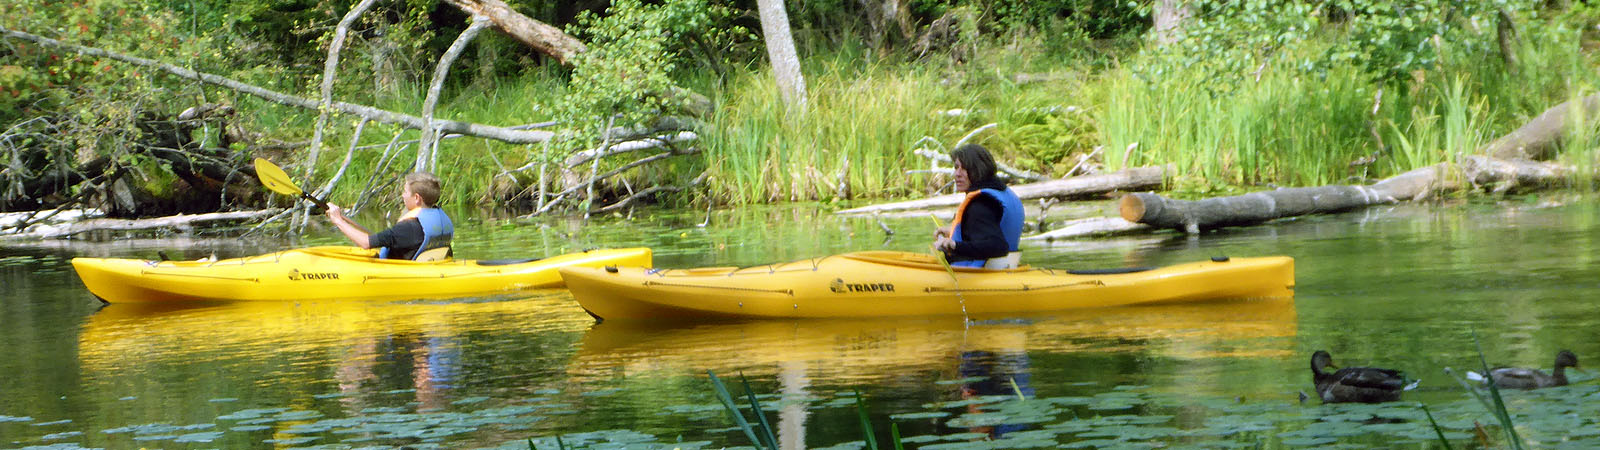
(377,115)
(427,154)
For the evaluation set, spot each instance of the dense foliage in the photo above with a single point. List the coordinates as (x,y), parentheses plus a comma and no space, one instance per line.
(1250,91)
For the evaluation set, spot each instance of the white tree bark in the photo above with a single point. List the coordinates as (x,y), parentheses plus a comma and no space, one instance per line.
(780,49)
(377,115)
(427,151)
(1169,18)
(330,70)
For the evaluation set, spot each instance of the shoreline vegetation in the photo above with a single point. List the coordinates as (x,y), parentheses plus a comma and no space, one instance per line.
(686,112)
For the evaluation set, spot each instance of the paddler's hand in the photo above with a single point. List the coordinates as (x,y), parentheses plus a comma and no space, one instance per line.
(944,244)
(335,212)
(944,231)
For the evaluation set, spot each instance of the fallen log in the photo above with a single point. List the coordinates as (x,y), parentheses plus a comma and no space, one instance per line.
(1092,226)
(538,35)
(1125,180)
(179,222)
(1195,216)
(1540,137)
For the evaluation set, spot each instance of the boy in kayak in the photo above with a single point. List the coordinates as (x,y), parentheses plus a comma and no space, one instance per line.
(988,224)
(422,234)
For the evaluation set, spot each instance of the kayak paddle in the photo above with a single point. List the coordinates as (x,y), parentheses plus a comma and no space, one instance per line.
(274,178)
(940,257)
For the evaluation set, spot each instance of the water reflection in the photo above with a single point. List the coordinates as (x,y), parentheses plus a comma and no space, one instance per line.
(420,337)
(870,351)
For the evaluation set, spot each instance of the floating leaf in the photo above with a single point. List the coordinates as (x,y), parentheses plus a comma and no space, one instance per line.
(199,437)
(1308,441)
(62,435)
(919,416)
(469,400)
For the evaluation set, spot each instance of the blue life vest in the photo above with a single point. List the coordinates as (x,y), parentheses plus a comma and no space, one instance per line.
(436,230)
(1011,213)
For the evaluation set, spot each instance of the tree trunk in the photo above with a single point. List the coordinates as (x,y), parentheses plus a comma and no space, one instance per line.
(780,49)
(1126,180)
(539,35)
(1257,207)
(179,222)
(1539,138)
(1170,16)
(428,151)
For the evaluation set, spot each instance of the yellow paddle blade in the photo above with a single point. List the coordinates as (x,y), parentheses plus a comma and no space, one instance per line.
(274,178)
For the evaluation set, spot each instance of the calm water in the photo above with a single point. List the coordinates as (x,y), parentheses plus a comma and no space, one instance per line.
(1400,287)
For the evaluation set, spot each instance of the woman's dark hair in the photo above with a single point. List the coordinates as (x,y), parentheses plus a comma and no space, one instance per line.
(977,161)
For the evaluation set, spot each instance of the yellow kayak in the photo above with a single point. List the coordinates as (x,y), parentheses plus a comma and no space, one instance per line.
(321,273)
(887,283)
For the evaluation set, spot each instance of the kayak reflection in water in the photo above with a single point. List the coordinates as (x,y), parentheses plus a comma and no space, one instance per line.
(422,234)
(1005,374)
(988,225)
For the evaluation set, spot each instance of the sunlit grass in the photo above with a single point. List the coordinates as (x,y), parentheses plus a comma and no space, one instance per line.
(1281,126)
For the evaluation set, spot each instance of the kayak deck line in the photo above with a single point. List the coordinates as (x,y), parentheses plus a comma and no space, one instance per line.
(327,273)
(880,284)
(789,292)
(215,277)
(1024,288)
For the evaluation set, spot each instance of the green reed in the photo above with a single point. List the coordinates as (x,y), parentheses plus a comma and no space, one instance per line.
(1283,125)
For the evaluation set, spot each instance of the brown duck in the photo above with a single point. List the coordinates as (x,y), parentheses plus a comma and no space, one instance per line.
(1354,384)
(1520,378)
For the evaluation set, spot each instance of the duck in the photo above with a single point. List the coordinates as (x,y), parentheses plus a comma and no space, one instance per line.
(1355,384)
(1521,378)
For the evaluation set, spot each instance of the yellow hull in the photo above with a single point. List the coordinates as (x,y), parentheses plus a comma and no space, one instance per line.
(324,273)
(885,284)
(855,351)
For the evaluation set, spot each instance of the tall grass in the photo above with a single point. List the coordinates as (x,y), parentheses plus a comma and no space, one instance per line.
(1283,125)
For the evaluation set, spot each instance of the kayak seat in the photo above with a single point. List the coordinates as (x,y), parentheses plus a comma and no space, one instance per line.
(505,262)
(1112,271)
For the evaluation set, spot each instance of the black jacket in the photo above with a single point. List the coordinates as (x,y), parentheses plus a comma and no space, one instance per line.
(980,227)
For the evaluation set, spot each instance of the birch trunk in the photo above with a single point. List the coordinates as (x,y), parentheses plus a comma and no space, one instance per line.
(780,49)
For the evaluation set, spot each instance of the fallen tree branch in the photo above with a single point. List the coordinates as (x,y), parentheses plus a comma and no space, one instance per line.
(377,115)
(577,159)
(1016,174)
(179,222)
(652,191)
(1125,180)
(542,37)
(330,71)
(630,165)
(1093,226)
(428,152)
(1539,138)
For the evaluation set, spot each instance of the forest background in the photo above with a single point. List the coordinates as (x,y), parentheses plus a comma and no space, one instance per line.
(1238,95)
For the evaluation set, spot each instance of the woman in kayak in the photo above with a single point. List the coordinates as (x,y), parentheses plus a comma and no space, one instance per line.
(988,224)
(422,234)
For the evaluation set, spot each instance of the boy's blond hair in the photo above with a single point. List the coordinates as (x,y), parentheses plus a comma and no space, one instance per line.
(425,185)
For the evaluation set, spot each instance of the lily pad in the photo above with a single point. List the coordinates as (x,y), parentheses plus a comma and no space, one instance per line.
(247,428)
(62,435)
(199,437)
(1308,441)
(469,401)
(919,416)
